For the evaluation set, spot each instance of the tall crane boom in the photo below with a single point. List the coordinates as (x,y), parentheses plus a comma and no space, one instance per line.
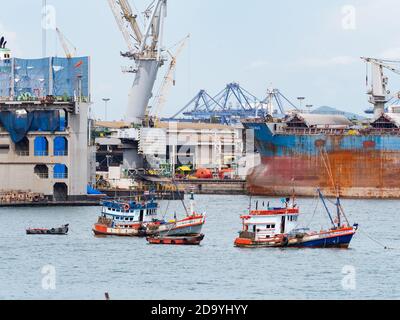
(378,92)
(168,81)
(131,18)
(145,49)
(64,44)
(118,15)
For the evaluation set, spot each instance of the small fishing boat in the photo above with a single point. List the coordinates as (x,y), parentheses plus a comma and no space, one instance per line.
(192,224)
(54,231)
(192,240)
(126,218)
(278,228)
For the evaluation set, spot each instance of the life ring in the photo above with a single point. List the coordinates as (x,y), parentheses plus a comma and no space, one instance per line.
(126,207)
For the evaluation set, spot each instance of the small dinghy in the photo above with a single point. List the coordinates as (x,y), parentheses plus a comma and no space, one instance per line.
(54,231)
(189,240)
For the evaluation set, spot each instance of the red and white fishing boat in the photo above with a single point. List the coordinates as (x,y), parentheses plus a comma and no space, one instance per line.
(278,227)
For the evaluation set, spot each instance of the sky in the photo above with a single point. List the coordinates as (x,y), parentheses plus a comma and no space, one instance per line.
(308,48)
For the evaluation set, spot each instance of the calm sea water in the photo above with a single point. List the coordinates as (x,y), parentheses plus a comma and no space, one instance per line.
(86,267)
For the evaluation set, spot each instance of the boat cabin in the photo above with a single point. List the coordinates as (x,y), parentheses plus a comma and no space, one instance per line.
(264,224)
(129,212)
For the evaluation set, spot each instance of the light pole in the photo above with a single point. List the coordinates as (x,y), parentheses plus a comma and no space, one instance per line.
(106,100)
(301,99)
(309,107)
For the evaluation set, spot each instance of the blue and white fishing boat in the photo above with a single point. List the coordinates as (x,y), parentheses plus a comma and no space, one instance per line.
(126,218)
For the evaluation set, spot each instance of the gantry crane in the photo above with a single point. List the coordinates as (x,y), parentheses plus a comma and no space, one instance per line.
(169,80)
(145,48)
(64,43)
(379,95)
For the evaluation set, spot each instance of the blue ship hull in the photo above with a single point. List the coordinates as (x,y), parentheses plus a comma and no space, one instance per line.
(336,242)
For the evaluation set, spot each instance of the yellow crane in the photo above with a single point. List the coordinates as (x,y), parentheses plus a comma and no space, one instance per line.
(169,79)
(64,43)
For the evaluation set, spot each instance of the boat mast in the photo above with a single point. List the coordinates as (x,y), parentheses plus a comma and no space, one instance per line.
(338,211)
(191,203)
(326,207)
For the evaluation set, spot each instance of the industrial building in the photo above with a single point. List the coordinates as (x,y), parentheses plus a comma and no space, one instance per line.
(44,145)
(170,145)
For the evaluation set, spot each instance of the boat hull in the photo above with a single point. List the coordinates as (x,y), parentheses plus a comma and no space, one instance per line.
(340,239)
(339,242)
(103,230)
(364,166)
(188,226)
(54,231)
(190,240)
(196,229)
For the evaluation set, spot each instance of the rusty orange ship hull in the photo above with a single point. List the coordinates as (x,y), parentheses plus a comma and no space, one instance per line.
(361,166)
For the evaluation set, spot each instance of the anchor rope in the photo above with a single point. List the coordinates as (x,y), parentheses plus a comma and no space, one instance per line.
(376,241)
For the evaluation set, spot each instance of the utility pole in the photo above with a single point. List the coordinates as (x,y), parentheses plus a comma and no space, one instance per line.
(106,100)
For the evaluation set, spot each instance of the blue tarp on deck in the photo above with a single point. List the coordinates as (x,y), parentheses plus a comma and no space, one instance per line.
(19,124)
(92,191)
(38,78)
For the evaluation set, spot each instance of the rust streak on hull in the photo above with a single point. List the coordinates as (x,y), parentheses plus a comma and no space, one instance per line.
(364,173)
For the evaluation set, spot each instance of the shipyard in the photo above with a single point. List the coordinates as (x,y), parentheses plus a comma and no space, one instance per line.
(164,151)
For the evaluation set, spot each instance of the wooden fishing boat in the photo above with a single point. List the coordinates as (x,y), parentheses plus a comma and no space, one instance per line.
(125,218)
(191,224)
(54,231)
(278,227)
(189,240)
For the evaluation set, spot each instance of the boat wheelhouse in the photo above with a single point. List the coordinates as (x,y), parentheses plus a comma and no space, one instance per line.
(128,218)
(265,224)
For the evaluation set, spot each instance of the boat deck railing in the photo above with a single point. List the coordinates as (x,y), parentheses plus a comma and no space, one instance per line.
(339,132)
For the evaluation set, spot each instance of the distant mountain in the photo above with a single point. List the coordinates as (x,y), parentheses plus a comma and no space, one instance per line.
(330,110)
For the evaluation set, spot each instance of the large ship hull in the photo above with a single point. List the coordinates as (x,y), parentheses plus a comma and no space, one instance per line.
(361,166)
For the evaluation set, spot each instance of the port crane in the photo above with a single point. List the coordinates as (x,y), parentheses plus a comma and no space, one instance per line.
(379,95)
(64,43)
(169,79)
(231,105)
(145,49)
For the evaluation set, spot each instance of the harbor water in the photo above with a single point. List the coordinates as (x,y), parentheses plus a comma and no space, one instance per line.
(81,266)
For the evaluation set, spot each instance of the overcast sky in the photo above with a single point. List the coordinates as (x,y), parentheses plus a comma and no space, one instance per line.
(305,48)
